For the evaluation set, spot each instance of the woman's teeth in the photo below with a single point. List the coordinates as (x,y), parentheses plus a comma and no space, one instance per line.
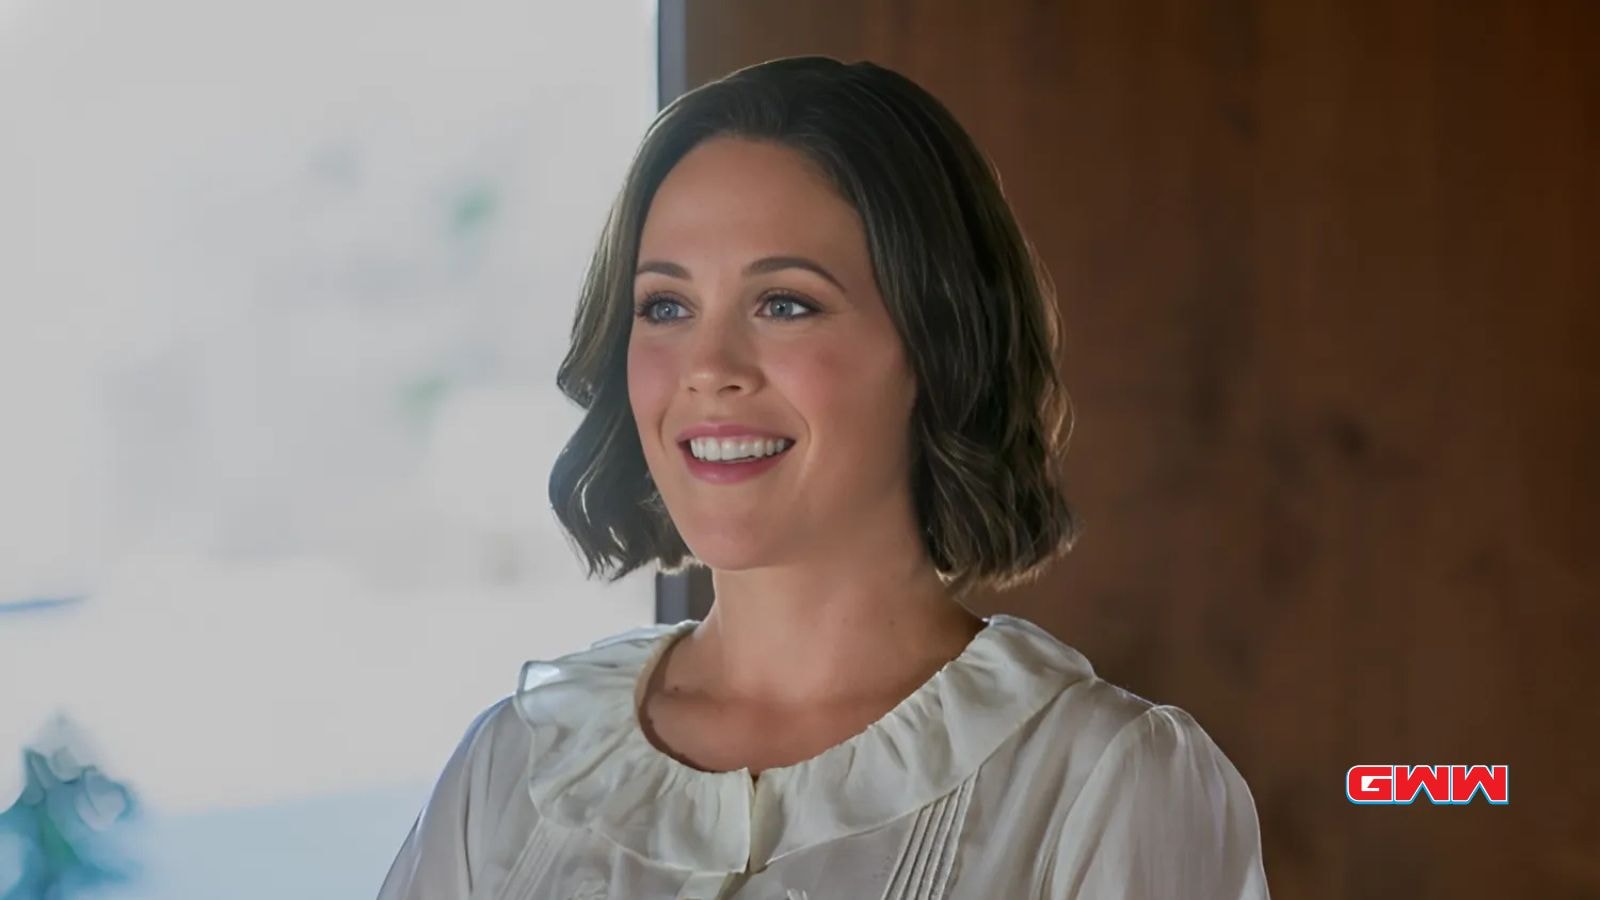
(732,449)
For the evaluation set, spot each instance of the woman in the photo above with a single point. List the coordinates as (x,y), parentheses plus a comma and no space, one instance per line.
(817,358)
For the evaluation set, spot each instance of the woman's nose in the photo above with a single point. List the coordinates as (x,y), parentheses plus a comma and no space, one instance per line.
(720,362)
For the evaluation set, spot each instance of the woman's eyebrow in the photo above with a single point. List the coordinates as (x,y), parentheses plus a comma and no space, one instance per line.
(759,267)
(671,270)
(777,263)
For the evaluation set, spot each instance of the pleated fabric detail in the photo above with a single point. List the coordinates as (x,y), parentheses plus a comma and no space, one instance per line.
(928,860)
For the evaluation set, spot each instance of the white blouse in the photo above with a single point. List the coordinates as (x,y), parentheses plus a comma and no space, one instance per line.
(1014,772)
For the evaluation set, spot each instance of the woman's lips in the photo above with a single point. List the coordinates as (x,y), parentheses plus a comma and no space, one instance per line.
(732,471)
(723,430)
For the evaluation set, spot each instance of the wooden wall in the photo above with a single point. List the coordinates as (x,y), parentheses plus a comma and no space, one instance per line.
(1330,276)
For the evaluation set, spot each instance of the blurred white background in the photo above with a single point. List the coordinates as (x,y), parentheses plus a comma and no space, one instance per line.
(283,287)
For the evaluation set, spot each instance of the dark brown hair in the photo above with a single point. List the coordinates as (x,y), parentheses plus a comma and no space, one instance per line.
(961,284)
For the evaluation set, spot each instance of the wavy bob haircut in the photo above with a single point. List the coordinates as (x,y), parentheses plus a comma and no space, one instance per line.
(961,284)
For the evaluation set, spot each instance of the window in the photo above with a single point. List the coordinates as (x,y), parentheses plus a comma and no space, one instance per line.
(283,287)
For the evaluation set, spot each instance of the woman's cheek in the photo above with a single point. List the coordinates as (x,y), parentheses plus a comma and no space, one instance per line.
(809,379)
(650,382)
(861,373)
(829,388)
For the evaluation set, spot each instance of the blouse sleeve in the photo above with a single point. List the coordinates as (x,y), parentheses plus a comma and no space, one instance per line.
(438,857)
(1163,814)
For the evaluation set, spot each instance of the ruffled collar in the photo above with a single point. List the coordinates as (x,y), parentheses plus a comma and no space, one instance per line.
(592,766)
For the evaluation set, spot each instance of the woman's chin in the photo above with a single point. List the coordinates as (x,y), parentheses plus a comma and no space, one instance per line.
(732,553)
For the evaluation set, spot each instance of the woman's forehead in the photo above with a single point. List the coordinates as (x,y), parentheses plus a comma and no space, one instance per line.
(757,196)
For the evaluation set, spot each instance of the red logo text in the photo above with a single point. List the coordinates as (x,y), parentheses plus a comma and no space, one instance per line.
(1442,784)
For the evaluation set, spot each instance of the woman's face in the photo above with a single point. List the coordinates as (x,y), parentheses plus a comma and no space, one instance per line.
(759,327)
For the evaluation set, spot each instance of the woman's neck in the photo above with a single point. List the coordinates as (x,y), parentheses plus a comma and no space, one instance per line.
(804,635)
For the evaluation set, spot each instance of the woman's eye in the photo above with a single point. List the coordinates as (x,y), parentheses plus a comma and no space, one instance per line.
(660,309)
(783,306)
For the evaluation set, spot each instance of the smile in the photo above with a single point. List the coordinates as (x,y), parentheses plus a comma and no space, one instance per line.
(736,449)
(730,460)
